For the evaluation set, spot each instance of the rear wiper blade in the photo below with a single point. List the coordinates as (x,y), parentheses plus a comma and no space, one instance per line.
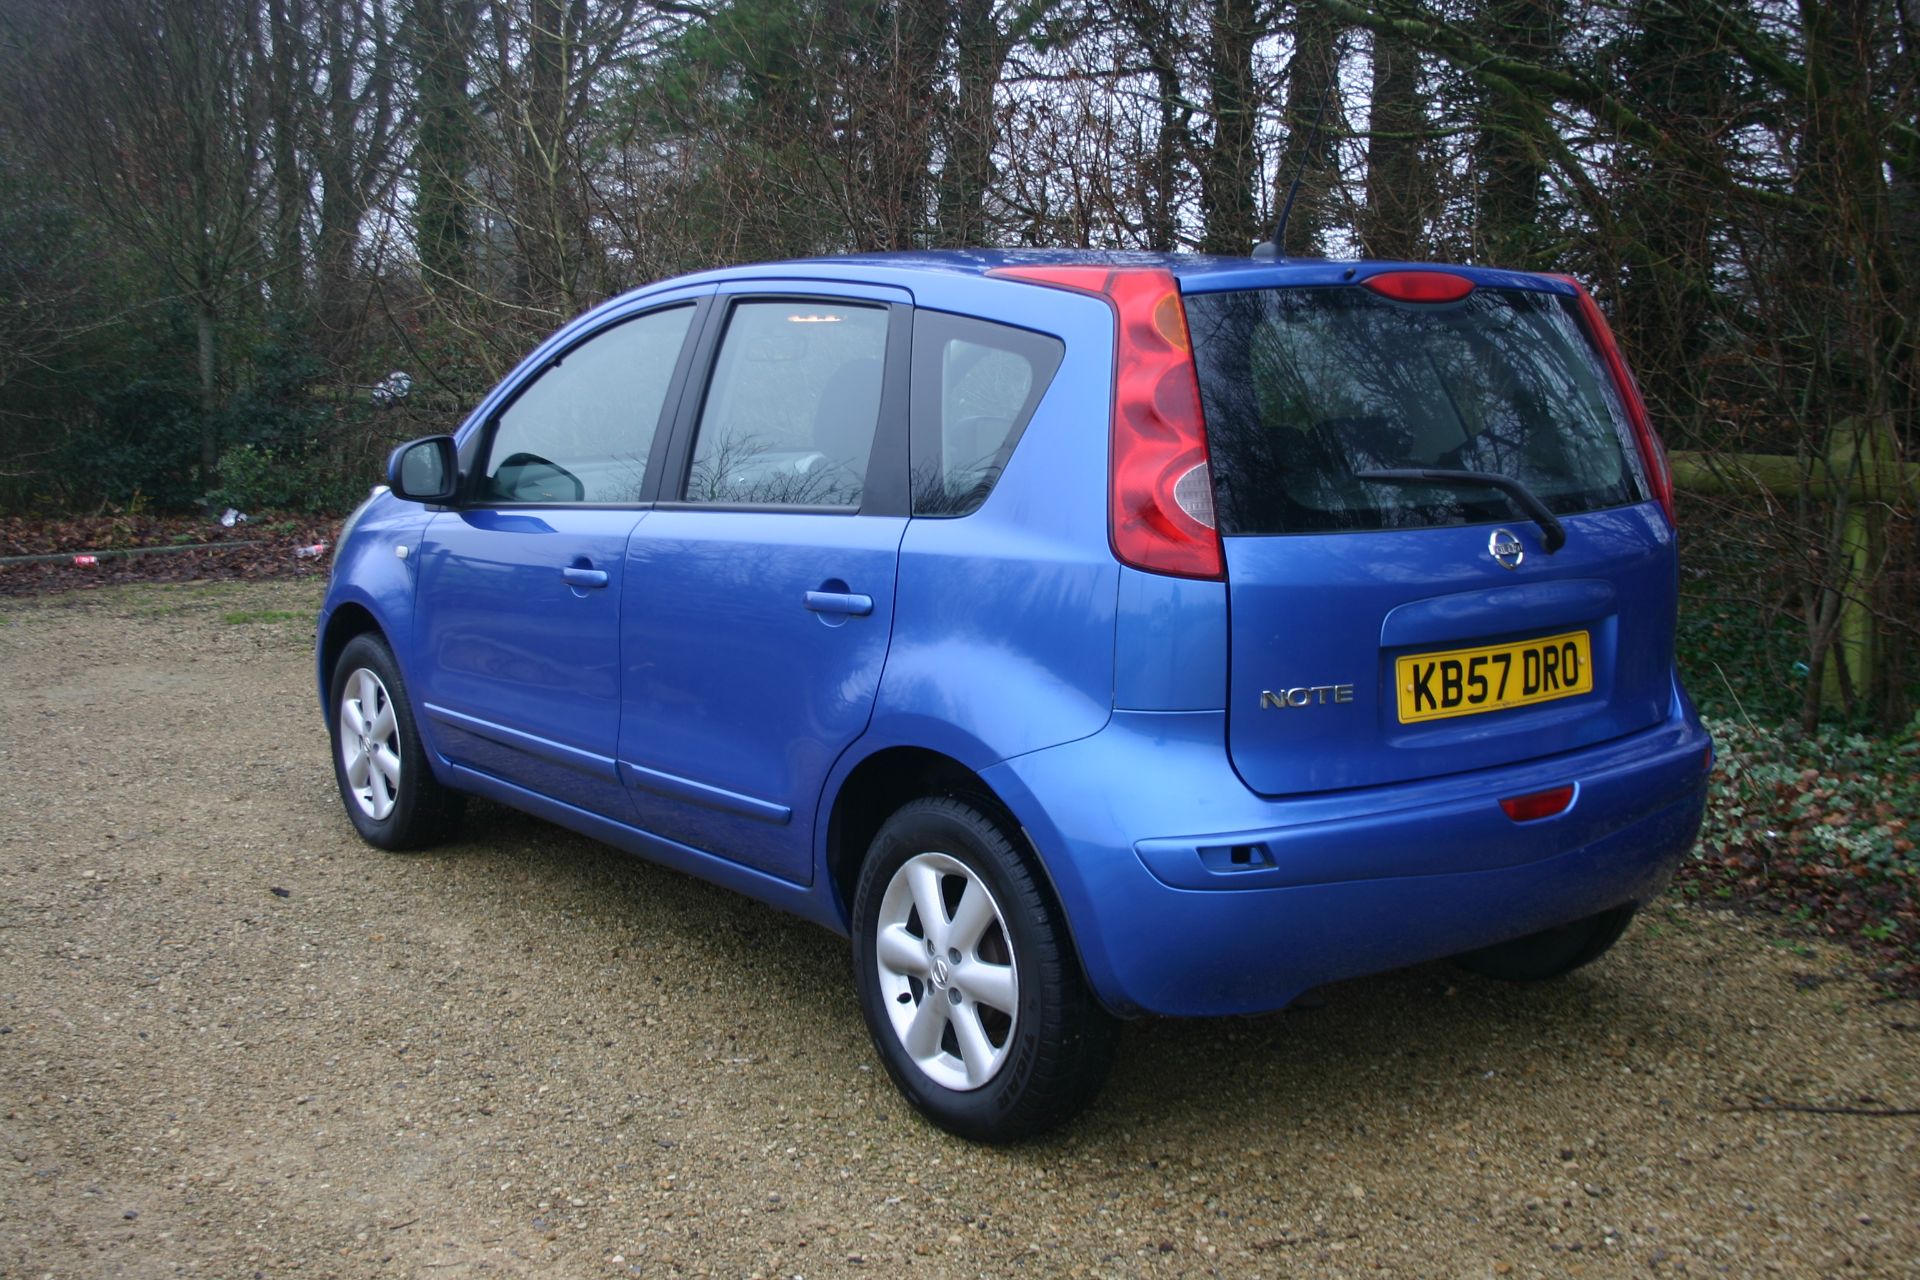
(1553,535)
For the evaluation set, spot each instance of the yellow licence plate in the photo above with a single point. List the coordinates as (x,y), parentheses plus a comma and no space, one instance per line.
(1465,682)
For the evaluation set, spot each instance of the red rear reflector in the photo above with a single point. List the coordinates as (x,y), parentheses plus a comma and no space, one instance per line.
(1652,453)
(1540,804)
(1160,499)
(1419,286)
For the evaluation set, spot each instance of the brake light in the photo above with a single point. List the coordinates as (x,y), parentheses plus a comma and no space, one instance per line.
(1538,804)
(1652,452)
(1420,286)
(1160,496)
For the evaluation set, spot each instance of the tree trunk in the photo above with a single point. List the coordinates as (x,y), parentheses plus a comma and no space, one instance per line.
(538,197)
(1399,188)
(285,18)
(1507,227)
(1680,75)
(1228,164)
(204,315)
(980,53)
(898,133)
(342,201)
(1155,35)
(1313,121)
(1867,352)
(443,36)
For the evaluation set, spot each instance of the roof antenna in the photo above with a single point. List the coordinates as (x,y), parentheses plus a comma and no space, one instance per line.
(1270,249)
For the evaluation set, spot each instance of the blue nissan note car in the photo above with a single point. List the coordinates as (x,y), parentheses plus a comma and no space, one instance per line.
(1083,635)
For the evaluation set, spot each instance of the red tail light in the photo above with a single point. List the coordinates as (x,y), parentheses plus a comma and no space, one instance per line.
(1419,286)
(1539,804)
(1160,505)
(1652,452)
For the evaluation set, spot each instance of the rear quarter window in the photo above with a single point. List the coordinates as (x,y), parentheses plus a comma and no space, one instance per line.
(1303,388)
(975,385)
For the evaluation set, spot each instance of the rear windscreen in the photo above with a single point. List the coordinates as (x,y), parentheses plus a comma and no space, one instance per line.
(1304,387)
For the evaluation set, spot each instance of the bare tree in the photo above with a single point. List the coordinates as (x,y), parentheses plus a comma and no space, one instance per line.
(361,115)
(439,38)
(1313,116)
(160,125)
(1230,165)
(1400,197)
(1155,27)
(984,34)
(1509,163)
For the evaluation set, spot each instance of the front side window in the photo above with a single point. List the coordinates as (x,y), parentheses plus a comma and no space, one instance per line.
(1304,388)
(582,430)
(975,384)
(791,413)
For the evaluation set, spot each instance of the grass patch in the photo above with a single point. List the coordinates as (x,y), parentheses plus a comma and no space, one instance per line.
(170,600)
(242,617)
(273,599)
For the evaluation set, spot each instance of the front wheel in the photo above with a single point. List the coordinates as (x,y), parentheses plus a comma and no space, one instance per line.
(968,980)
(1551,952)
(389,790)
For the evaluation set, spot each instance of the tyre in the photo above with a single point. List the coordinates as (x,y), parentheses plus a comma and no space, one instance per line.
(1551,952)
(389,790)
(968,980)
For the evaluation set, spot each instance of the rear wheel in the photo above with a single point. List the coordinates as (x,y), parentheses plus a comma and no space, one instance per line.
(386,784)
(967,977)
(1551,952)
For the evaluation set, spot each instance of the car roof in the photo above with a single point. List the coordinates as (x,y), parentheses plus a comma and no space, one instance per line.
(1196,272)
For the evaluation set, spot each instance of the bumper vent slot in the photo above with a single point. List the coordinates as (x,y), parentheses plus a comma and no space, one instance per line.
(1222,858)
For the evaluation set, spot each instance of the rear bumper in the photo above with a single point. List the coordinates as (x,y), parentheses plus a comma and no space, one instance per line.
(1337,885)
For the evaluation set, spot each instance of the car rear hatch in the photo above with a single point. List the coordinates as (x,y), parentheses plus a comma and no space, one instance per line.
(1385,627)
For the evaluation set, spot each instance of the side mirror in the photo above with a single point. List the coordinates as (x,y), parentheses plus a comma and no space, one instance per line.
(425,470)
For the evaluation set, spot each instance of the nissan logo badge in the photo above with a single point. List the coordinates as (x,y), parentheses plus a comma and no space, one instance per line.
(1506,548)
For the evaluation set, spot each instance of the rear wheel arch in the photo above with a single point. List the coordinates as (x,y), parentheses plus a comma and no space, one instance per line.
(873,792)
(885,781)
(889,779)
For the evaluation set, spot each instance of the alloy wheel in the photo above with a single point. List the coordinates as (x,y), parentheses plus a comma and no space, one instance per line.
(947,970)
(370,744)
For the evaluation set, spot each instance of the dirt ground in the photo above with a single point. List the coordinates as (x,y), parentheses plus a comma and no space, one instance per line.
(236,1042)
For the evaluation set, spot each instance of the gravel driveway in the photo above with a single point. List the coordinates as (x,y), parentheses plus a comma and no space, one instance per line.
(235,1042)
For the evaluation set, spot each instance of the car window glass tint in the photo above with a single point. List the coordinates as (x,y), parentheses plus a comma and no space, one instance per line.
(791,412)
(975,384)
(1304,387)
(581,432)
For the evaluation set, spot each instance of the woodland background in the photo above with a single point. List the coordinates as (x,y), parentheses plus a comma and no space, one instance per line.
(224,222)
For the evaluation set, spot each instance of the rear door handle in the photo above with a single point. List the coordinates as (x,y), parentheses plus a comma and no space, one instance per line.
(846,602)
(584,577)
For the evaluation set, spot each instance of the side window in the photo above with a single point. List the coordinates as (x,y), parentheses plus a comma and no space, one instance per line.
(791,412)
(582,430)
(975,384)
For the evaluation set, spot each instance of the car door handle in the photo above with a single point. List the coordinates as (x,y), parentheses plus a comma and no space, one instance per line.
(575,577)
(840,602)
